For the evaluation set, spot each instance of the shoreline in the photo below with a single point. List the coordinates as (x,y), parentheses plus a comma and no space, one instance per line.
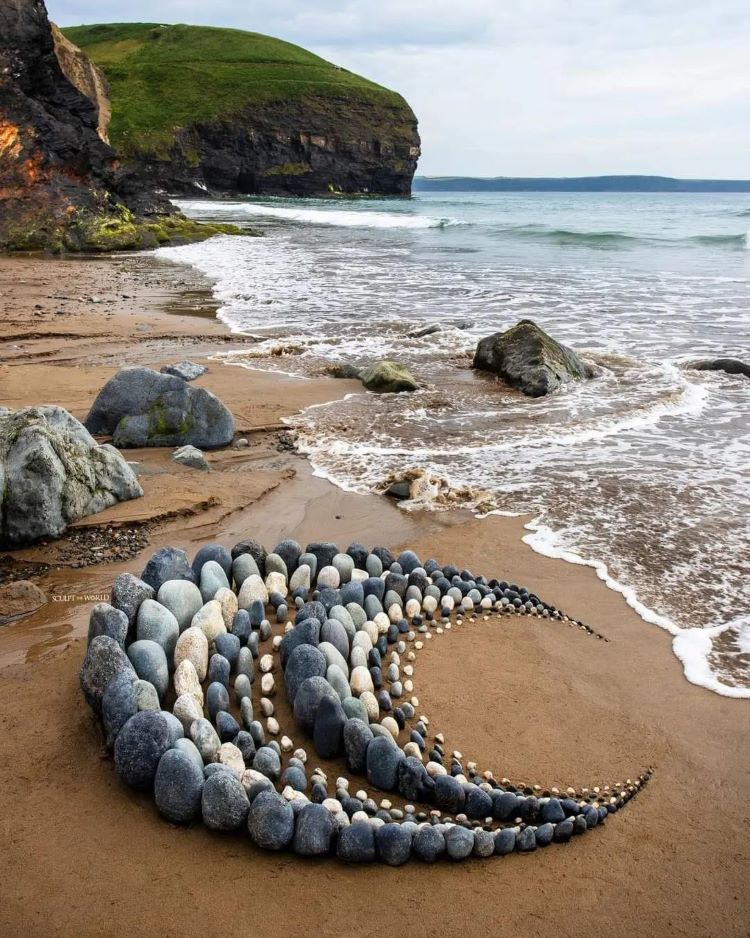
(550,705)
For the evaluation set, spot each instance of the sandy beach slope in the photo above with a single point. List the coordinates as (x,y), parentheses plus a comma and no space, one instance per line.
(535,701)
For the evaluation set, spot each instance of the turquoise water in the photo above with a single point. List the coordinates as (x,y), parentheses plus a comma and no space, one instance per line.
(644,472)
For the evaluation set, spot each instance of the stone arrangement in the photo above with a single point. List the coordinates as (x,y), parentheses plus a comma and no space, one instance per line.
(184,663)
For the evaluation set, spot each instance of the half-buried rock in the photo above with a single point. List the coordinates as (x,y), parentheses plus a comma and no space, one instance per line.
(525,357)
(141,407)
(387,377)
(53,472)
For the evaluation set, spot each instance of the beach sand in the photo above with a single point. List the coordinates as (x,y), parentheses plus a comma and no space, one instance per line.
(536,701)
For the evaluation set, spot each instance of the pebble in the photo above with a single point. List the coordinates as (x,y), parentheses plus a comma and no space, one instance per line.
(313,831)
(139,746)
(224,803)
(106,620)
(104,661)
(178,786)
(270,821)
(150,664)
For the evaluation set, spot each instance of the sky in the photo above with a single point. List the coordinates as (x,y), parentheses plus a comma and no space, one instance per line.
(523,87)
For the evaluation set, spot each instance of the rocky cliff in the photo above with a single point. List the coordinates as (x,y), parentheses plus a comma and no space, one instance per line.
(61,186)
(239,112)
(88,78)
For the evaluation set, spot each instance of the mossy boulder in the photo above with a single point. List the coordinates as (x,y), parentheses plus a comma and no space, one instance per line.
(52,473)
(388,377)
(525,357)
(141,407)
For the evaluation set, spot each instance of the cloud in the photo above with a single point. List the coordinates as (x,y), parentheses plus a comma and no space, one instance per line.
(524,87)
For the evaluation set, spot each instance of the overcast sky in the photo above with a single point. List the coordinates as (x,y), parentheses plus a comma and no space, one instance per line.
(523,87)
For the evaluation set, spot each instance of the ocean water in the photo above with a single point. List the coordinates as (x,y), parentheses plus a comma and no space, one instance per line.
(643,472)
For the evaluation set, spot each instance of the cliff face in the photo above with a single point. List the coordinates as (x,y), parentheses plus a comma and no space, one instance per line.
(243,113)
(85,76)
(303,148)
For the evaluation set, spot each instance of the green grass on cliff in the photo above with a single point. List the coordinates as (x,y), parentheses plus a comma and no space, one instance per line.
(166,77)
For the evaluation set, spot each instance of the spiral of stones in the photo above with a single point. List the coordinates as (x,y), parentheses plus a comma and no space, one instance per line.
(177,649)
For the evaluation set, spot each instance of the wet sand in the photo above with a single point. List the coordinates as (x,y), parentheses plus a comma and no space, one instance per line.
(536,701)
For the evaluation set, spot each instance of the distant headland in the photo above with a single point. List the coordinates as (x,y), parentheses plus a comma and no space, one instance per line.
(576,184)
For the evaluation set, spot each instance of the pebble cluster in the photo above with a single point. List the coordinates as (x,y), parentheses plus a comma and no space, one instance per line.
(183,665)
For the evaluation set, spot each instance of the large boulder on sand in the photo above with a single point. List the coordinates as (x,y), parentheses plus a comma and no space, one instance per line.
(141,407)
(525,357)
(388,377)
(53,472)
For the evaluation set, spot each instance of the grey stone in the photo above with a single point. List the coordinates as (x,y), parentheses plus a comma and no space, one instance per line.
(52,473)
(157,624)
(150,664)
(188,747)
(388,376)
(211,579)
(525,357)
(186,370)
(306,632)
(146,696)
(104,660)
(228,645)
(382,763)
(304,662)
(484,843)
(526,840)
(505,841)
(217,698)
(218,670)
(338,681)
(119,704)
(224,804)
(191,457)
(206,740)
(178,787)
(449,794)
(544,834)
(356,843)
(270,821)
(128,592)
(329,728)
(168,563)
(354,708)
(393,843)
(182,598)
(478,803)
(267,762)
(216,552)
(459,842)
(141,407)
(313,831)
(307,700)
(552,811)
(176,732)
(106,620)
(428,844)
(139,746)
(226,726)
(290,552)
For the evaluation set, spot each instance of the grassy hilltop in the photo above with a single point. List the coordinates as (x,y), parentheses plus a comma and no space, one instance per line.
(163,78)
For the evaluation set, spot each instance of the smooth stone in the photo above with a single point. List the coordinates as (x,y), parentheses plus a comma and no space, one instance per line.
(119,704)
(313,831)
(157,624)
(231,757)
(526,840)
(178,787)
(188,747)
(344,565)
(563,831)
(295,777)
(289,551)
(484,843)
(270,821)
(338,681)
(139,746)
(449,794)
(307,700)
(361,680)
(478,803)
(167,563)
(246,745)
(210,620)
(182,598)
(355,709)
(146,696)
(243,688)
(192,646)
(428,844)
(187,710)
(504,805)
(206,740)
(352,593)
(373,565)
(268,763)
(334,633)
(357,736)
(329,728)
(212,579)
(505,841)
(243,567)
(217,698)
(219,670)
(253,589)
(306,632)
(394,843)
(356,843)
(254,549)
(544,834)
(104,660)
(128,592)
(459,842)
(304,662)
(382,763)
(106,620)
(226,726)
(228,645)
(302,577)
(552,811)
(224,804)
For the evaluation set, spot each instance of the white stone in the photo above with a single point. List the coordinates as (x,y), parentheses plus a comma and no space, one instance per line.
(434,769)
(390,724)
(329,578)
(192,646)
(371,705)
(229,606)
(266,664)
(447,602)
(300,754)
(300,578)
(251,590)
(186,681)
(266,707)
(276,643)
(408,685)
(276,583)
(360,816)
(360,681)
(412,749)
(231,757)
(362,640)
(210,621)
(342,782)
(412,608)
(382,622)
(358,657)
(359,575)
(268,685)
(395,613)
(272,725)
(286,744)
(187,710)
(429,604)
(332,804)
